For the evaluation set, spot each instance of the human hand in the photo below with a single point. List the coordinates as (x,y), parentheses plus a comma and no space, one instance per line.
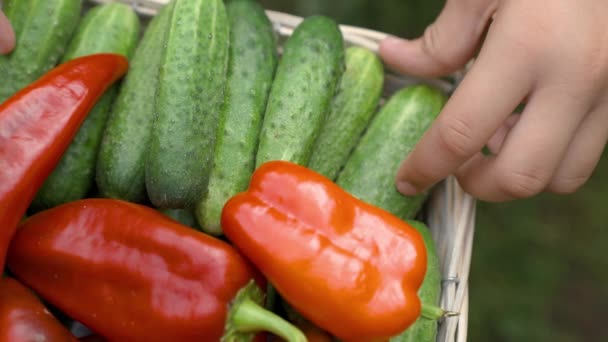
(550,55)
(7,36)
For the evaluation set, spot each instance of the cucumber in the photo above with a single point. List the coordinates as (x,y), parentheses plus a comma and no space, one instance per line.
(190,92)
(369,173)
(351,110)
(183,216)
(44,29)
(112,28)
(425,330)
(251,65)
(304,84)
(122,154)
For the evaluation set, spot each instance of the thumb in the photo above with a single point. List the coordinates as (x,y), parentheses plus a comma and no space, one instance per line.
(446,45)
(7,36)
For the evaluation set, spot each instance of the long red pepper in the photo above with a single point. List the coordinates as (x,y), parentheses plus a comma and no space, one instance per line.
(130,273)
(23,317)
(37,125)
(347,266)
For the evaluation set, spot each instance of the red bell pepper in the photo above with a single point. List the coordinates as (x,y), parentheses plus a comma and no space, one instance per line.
(348,267)
(37,125)
(23,317)
(130,273)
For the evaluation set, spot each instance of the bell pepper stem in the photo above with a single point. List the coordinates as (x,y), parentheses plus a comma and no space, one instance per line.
(247,317)
(433,312)
(252,317)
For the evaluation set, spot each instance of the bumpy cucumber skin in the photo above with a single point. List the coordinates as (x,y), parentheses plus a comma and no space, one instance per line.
(351,110)
(369,173)
(190,93)
(252,62)
(106,28)
(121,160)
(112,27)
(44,29)
(304,84)
(425,330)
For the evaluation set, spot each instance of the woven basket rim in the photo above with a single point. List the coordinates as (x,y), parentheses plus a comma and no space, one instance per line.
(450,211)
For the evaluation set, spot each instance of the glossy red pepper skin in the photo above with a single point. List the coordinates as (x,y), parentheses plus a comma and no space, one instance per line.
(128,272)
(37,125)
(349,267)
(23,317)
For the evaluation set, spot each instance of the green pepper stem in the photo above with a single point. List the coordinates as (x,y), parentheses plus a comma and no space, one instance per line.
(253,317)
(247,317)
(433,312)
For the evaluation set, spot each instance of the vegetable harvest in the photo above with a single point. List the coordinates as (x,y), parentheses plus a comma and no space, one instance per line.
(351,268)
(236,186)
(131,273)
(37,125)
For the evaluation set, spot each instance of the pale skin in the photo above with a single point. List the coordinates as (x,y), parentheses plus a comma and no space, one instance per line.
(7,36)
(551,55)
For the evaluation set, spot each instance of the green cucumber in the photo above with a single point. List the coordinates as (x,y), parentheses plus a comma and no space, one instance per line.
(351,110)
(302,90)
(369,173)
(44,29)
(189,96)
(121,160)
(112,28)
(425,330)
(251,65)
(183,216)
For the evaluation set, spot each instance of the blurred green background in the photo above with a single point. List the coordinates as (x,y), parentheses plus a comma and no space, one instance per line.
(540,271)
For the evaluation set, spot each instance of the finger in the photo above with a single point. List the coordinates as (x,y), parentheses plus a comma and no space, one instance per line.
(7,36)
(532,151)
(496,141)
(497,82)
(583,154)
(446,45)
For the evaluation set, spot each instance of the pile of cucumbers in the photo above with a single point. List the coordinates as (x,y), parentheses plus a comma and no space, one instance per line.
(209,97)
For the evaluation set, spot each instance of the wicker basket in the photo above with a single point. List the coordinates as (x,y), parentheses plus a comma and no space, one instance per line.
(449,212)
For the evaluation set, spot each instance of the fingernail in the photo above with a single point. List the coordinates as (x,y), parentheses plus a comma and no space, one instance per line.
(406,188)
(393,41)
